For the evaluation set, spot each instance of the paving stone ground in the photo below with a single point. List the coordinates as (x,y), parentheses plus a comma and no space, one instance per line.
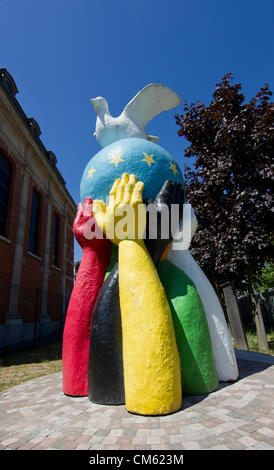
(37,415)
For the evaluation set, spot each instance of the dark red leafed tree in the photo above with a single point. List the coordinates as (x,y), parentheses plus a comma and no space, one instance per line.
(230,186)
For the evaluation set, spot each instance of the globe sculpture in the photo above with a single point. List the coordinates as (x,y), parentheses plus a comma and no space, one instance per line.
(141,329)
(151,164)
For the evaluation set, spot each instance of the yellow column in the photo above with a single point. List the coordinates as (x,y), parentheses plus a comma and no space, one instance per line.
(151,361)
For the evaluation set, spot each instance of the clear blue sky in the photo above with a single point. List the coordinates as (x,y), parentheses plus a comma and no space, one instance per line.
(61,53)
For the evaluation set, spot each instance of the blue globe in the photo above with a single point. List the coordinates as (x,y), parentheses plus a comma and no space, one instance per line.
(151,164)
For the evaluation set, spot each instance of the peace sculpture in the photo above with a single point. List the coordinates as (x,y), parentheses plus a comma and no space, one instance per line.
(144,325)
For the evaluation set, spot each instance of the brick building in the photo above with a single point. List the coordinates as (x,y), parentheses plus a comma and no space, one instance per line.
(36,238)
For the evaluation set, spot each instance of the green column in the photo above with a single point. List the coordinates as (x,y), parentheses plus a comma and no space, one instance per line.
(113,259)
(198,371)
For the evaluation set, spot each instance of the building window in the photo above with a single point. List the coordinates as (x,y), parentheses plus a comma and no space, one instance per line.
(5,181)
(55,240)
(34,222)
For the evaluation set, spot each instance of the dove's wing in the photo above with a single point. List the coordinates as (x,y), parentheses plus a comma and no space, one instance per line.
(150,101)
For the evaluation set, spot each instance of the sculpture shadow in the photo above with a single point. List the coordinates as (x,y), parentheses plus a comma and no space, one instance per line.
(247,368)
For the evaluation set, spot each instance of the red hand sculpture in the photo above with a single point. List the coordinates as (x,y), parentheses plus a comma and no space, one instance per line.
(92,270)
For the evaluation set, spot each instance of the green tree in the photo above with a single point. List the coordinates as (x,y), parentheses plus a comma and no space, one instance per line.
(231,185)
(266,279)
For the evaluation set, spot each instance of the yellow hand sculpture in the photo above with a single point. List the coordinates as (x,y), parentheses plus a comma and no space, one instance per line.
(151,361)
(124,197)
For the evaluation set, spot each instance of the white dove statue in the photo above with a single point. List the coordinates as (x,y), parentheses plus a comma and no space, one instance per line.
(148,103)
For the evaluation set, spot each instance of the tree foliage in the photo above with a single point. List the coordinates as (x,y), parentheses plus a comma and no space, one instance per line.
(231,183)
(266,278)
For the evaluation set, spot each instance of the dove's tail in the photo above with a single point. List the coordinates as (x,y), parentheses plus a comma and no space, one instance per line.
(153,138)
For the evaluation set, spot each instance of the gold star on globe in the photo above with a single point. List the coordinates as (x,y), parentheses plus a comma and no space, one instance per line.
(148,159)
(116,159)
(173,168)
(90,172)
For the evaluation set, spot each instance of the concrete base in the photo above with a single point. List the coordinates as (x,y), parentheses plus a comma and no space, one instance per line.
(15,334)
(28,332)
(2,335)
(47,328)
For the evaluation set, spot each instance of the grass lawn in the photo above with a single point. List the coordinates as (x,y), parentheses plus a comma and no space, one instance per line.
(18,366)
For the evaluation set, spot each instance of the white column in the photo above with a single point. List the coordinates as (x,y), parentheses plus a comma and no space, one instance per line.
(44,302)
(13,324)
(64,269)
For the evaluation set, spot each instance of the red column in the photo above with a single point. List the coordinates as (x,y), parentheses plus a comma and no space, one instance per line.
(76,338)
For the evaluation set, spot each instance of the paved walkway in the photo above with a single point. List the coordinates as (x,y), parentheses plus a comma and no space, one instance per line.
(37,415)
